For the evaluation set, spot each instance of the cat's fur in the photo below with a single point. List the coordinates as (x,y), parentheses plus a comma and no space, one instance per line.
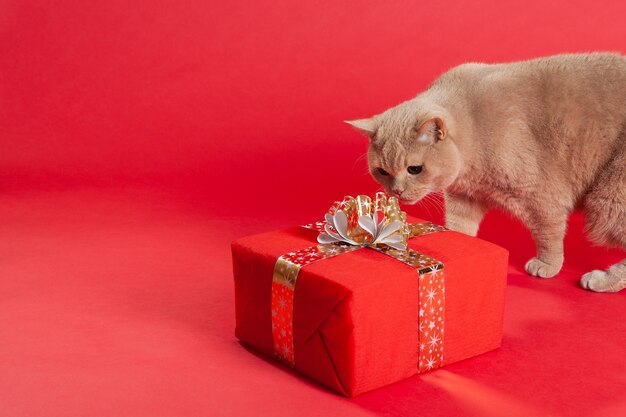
(536,138)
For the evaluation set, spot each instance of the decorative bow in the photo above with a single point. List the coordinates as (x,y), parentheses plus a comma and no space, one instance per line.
(362,222)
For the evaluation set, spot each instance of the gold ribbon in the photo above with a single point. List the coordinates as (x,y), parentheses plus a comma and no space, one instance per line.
(352,224)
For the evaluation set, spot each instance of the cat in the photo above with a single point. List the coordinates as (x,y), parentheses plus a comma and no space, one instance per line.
(536,138)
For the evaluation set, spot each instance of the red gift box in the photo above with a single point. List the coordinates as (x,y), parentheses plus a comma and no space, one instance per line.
(356,316)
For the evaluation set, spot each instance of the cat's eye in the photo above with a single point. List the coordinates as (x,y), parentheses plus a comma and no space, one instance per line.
(414,169)
(382,172)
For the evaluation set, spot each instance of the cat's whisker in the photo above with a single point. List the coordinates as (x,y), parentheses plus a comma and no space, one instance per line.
(437,202)
(436,197)
(424,203)
(431,201)
(359,159)
(433,204)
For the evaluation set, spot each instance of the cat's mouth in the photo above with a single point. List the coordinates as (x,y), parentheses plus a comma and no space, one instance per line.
(408,201)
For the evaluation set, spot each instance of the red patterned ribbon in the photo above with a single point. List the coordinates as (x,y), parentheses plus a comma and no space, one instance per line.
(283,286)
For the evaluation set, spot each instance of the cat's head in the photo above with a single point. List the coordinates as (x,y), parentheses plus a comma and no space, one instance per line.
(411,154)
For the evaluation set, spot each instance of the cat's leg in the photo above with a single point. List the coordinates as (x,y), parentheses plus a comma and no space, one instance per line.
(605,207)
(548,230)
(463,214)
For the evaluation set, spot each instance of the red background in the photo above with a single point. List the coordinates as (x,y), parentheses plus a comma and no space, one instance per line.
(139,138)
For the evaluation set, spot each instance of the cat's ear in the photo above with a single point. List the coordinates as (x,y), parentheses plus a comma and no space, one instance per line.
(431,131)
(366,126)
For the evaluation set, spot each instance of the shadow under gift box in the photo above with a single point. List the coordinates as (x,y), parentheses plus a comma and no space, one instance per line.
(355,315)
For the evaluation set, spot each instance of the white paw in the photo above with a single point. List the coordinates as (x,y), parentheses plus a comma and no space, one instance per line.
(599,281)
(538,268)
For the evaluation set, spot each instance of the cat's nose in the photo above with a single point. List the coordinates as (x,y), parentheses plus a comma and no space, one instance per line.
(397,191)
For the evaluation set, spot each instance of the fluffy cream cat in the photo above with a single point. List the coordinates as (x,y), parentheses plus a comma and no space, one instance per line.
(536,138)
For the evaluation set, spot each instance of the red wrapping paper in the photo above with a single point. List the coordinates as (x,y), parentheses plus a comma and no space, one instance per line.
(355,316)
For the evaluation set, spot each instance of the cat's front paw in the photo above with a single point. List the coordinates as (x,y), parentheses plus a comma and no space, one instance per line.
(538,268)
(601,281)
(595,281)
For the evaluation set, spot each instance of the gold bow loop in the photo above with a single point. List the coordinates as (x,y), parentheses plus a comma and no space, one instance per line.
(361,221)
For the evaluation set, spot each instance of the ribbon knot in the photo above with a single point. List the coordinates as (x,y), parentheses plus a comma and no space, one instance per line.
(362,222)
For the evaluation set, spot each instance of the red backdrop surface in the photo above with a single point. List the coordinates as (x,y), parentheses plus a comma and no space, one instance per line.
(139,138)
